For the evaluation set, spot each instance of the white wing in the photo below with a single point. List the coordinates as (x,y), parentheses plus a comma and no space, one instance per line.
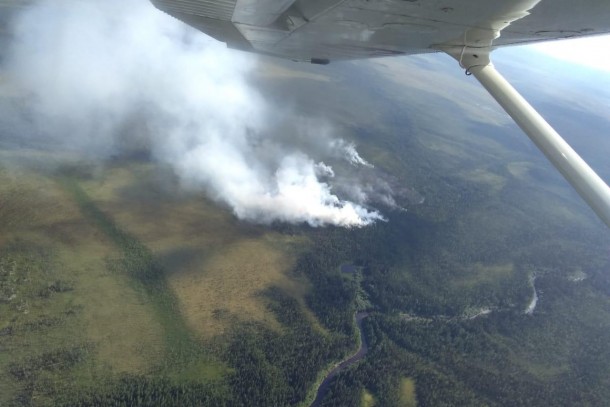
(320,30)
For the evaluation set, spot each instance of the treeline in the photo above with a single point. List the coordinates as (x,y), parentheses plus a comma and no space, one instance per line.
(279,368)
(556,357)
(270,368)
(375,248)
(380,373)
(559,356)
(130,391)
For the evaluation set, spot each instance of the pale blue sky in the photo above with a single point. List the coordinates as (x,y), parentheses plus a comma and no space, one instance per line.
(592,51)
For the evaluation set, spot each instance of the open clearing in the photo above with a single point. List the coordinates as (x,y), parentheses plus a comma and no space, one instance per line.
(218,268)
(407,392)
(60,296)
(480,274)
(229,284)
(65,295)
(367,399)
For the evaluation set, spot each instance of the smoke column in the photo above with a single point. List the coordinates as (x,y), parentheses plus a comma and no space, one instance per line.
(90,69)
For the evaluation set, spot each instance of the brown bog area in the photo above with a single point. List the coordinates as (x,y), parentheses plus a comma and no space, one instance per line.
(217,267)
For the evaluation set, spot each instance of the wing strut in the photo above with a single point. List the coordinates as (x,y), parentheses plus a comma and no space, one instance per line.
(574,169)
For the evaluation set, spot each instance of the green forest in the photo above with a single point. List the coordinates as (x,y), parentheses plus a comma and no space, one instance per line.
(423,280)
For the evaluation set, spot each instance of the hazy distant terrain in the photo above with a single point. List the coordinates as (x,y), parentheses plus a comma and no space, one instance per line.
(125,282)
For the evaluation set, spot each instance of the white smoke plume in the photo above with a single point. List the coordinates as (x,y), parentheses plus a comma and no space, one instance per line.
(93,68)
(349,153)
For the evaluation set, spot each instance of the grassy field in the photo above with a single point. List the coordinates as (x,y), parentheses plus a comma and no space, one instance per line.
(407,397)
(481,274)
(367,399)
(109,271)
(217,267)
(227,287)
(62,313)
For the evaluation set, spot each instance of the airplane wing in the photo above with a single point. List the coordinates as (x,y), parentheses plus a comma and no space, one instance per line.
(320,31)
(328,30)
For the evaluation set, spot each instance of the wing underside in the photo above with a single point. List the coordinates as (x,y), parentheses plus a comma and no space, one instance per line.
(350,29)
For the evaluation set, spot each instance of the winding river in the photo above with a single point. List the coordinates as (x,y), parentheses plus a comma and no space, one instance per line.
(347,362)
(363,349)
